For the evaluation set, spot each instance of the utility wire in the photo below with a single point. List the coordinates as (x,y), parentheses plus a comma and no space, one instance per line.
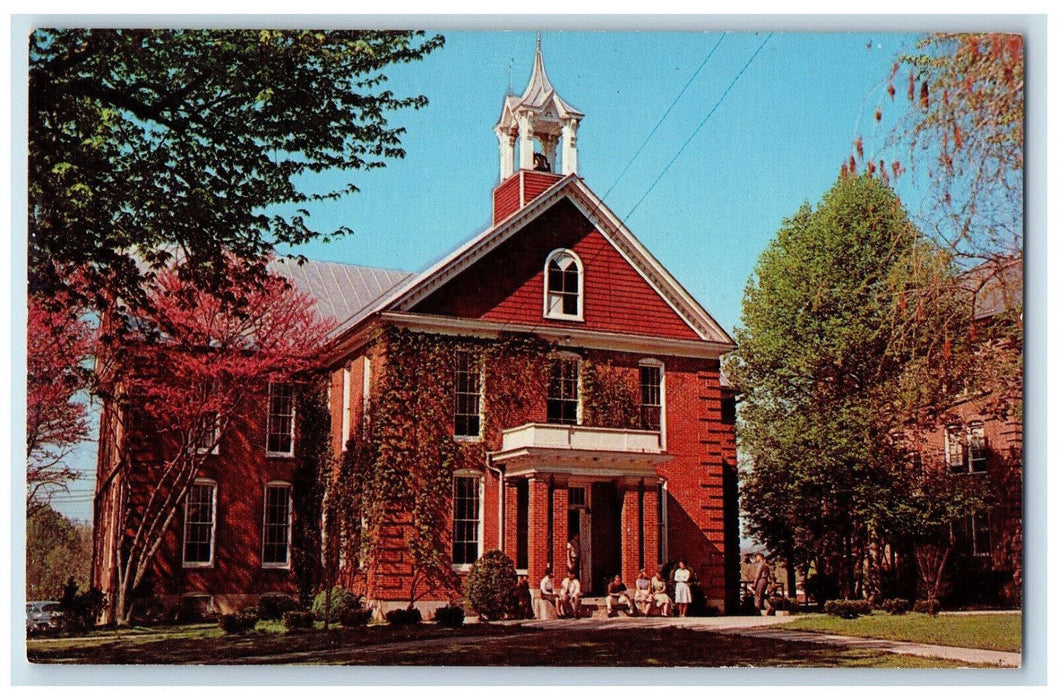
(695,133)
(662,119)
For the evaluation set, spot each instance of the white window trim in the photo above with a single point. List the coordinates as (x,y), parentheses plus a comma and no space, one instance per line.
(974,548)
(565,355)
(264,522)
(481,402)
(970,427)
(347,382)
(468,474)
(579,316)
(651,362)
(212,530)
(950,430)
(365,416)
(663,523)
(215,450)
(268,423)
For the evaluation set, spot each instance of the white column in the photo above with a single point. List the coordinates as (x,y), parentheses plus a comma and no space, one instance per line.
(526,121)
(550,144)
(506,153)
(569,146)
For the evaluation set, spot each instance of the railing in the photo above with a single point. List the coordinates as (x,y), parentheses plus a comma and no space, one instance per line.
(577,437)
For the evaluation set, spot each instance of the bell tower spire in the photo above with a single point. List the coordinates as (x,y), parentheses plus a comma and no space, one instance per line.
(537,115)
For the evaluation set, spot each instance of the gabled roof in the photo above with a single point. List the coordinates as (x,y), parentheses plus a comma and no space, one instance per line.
(341,291)
(996,286)
(408,292)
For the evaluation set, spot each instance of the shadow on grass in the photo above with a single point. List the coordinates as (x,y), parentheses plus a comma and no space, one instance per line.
(472,645)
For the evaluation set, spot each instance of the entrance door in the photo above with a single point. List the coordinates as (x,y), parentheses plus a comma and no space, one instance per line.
(578,522)
(605,558)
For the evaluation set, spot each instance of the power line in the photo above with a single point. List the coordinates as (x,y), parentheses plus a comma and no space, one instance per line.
(663,116)
(695,133)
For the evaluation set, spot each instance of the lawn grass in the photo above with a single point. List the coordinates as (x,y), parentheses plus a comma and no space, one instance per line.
(471,645)
(998,632)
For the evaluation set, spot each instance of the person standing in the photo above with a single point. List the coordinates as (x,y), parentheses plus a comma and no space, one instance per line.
(573,554)
(682,578)
(761,583)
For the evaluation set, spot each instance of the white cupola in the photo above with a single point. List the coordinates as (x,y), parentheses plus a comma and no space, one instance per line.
(539,114)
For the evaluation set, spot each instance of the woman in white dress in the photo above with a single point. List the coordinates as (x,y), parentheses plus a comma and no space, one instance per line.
(683,590)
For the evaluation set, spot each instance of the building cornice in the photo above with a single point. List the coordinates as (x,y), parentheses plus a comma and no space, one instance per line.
(561,336)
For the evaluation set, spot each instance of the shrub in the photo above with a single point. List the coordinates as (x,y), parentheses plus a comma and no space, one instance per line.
(148,610)
(193,608)
(356,617)
(404,616)
(847,609)
(298,619)
(821,588)
(449,616)
(930,606)
(239,622)
(272,607)
(783,603)
(80,610)
(341,600)
(896,606)
(491,585)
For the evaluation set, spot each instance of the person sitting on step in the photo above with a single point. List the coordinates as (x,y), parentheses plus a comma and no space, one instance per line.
(569,596)
(617,594)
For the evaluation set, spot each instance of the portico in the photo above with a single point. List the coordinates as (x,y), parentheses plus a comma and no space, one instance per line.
(599,483)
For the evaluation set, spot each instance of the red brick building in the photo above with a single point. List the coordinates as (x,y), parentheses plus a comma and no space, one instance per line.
(556,266)
(980,438)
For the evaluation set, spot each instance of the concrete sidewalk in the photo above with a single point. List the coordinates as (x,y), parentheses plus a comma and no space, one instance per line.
(772,628)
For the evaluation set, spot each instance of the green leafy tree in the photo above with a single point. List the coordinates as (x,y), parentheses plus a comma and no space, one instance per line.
(148,143)
(843,320)
(56,550)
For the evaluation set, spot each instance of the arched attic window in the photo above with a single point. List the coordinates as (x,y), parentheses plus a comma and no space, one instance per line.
(564,286)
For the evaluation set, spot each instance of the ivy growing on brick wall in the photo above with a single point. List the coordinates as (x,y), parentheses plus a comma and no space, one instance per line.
(609,399)
(309,481)
(395,480)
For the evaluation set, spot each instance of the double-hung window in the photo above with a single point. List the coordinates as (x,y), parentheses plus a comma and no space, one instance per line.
(563,401)
(200,523)
(650,395)
(207,437)
(275,535)
(466,520)
(468,395)
(966,449)
(954,449)
(280,419)
(563,286)
(977,454)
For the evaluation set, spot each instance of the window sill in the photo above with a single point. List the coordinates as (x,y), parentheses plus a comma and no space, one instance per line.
(564,317)
(468,438)
(461,568)
(279,455)
(198,565)
(275,567)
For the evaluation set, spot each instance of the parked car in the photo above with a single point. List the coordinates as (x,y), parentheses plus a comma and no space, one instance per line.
(42,615)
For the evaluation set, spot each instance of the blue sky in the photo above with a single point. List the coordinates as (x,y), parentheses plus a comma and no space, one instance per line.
(776,141)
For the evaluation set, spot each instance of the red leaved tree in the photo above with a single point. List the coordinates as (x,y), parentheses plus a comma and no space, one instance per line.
(58,343)
(192,365)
